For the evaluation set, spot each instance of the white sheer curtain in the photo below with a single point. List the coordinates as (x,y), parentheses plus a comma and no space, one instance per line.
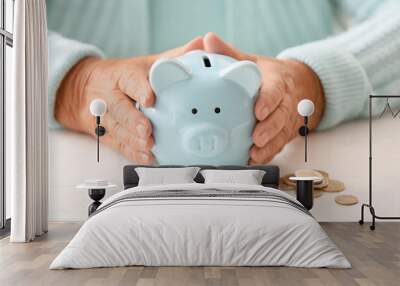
(26,123)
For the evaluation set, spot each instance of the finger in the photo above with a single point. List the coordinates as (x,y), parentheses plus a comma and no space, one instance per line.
(264,154)
(269,128)
(137,156)
(129,139)
(270,96)
(214,44)
(122,109)
(254,163)
(195,44)
(134,83)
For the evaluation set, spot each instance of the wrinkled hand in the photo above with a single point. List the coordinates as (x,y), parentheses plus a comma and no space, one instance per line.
(284,84)
(120,83)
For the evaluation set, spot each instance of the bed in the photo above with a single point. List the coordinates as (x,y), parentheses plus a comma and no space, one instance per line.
(201,224)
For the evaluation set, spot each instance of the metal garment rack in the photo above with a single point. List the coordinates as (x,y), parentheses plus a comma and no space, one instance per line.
(370,204)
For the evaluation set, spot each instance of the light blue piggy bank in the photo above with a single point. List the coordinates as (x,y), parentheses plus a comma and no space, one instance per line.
(204,110)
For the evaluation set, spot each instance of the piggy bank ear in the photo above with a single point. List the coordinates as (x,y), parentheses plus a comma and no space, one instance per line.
(244,73)
(165,72)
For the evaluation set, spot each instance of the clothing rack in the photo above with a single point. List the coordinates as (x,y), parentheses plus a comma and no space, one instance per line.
(370,203)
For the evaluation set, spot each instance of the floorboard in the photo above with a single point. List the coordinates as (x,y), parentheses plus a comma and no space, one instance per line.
(375,257)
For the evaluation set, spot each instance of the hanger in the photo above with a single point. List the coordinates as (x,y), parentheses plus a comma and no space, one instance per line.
(388,107)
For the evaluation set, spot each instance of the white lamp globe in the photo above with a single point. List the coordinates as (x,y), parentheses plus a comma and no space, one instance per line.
(305,107)
(98,107)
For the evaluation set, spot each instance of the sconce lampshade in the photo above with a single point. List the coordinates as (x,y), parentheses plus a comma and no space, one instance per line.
(305,107)
(98,107)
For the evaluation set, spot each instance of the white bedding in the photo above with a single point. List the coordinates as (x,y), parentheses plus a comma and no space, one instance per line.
(200,231)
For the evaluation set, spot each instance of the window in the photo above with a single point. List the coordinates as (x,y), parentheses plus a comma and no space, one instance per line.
(6,43)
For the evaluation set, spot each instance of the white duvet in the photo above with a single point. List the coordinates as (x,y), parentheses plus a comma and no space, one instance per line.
(200,231)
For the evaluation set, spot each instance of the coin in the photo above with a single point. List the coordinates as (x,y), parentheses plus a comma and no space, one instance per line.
(334,186)
(346,200)
(287,181)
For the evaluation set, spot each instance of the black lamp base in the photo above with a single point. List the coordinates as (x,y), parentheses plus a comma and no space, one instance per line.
(96,195)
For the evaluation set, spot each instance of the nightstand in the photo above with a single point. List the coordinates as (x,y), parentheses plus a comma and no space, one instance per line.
(304,190)
(96,191)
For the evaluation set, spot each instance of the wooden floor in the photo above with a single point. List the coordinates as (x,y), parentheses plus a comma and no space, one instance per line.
(375,257)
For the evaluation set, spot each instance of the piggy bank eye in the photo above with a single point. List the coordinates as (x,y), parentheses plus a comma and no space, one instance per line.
(194,110)
(217,110)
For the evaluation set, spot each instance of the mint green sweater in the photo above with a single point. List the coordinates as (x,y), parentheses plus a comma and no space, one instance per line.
(352,45)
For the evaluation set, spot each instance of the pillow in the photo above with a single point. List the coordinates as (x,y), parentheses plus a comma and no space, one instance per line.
(163,176)
(248,177)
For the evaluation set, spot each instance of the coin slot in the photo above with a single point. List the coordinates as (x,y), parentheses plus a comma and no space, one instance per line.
(206,62)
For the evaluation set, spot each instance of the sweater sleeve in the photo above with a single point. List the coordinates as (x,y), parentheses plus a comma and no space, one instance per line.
(63,55)
(363,60)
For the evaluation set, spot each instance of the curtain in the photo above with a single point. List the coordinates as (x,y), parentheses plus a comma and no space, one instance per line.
(26,123)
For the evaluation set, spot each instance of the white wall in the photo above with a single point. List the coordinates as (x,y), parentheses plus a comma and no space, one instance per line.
(342,152)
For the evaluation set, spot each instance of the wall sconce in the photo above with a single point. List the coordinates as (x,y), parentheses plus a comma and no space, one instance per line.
(305,108)
(98,108)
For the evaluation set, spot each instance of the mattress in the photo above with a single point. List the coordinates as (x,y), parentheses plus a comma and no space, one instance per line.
(201,225)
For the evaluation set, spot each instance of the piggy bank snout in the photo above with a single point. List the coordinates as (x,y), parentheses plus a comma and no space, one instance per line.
(205,140)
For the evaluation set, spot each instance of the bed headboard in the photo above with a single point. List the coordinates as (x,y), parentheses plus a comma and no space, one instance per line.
(270,179)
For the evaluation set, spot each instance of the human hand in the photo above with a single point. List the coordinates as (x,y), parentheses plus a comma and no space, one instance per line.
(120,83)
(284,84)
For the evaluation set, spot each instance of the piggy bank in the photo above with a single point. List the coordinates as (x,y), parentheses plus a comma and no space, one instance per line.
(204,109)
